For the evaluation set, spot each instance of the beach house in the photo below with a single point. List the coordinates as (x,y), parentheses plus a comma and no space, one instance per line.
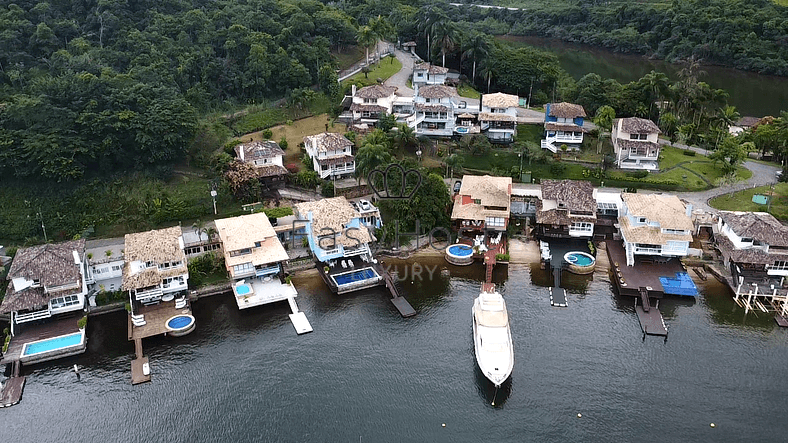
(483,204)
(567,209)
(498,116)
(155,266)
(563,125)
(331,155)
(657,227)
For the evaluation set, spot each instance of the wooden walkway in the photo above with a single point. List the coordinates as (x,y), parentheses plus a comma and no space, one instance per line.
(399,302)
(629,279)
(557,293)
(651,321)
(139,364)
(13,387)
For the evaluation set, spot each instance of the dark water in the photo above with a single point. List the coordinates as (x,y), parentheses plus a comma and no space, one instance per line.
(366,374)
(752,94)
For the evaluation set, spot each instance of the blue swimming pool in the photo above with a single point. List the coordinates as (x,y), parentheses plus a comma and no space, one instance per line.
(462,130)
(52,344)
(180,322)
(242,289)
(355,276)
(460,250)
(579,258)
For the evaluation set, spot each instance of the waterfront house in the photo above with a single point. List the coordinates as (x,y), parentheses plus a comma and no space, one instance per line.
(608,204)
(266,157)
(498,116)
(563,125)
(483,204)
(371,102)
(655,226)
(435,107)
(754,245)
(155,268)
(340,242)
(253,257)
(45,298)
(104,265)
(636,143)
(331,155)
(567,209)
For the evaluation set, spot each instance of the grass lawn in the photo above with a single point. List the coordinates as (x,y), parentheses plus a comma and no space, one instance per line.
(388,67)
(296,132)
(531,135)
(742,200)
(347,58)
(466,90)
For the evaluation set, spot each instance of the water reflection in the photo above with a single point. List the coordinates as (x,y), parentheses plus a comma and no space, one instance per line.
(494,397)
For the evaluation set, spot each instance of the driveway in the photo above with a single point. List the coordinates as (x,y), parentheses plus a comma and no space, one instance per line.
(400,79)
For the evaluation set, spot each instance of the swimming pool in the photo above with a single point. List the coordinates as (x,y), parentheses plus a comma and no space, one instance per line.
(52,344)
(580,262)
(242,289)
(462,130)
(461,255)
(180,325)
(354,277)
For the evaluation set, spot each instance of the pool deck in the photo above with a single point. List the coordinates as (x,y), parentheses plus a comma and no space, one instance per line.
(645,273)
(27,333)
(264,292)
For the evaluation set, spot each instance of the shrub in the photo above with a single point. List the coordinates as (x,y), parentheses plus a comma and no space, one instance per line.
(637,174)
(283,143)
(557,168)
(82,322)
(6,342)
(688,153)
(501,257)
(292,168)
(229,147)
(282,211)
(267,134)
(127,306)
(327,189)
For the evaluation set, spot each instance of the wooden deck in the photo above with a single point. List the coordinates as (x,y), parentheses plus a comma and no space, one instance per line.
(399,302)
(156,317)
(628,279)
(30,332)
(12,388)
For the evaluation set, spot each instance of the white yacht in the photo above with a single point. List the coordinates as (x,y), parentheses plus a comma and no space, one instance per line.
(492,338)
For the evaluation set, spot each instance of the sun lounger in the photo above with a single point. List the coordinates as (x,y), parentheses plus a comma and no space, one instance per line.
(180,303)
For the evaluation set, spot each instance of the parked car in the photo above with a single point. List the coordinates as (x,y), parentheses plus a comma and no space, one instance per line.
(457,186)
(365,205)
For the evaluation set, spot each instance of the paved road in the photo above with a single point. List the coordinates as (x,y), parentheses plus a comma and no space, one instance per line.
(400,79)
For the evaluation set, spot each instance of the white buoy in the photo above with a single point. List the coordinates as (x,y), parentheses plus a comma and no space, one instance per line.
(713,425)
(579,415)
(443,425)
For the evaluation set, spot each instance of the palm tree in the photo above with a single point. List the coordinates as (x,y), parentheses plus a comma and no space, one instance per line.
(454,163)
(381,29)
(446,37)
(199,227)
(377,137)
(366,37)
(429,16)
(488,72)
(369,158)
(405,136)
(604,121)
(477,48)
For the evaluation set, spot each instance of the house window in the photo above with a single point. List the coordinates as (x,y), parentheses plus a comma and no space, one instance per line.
(62,302)
(581,226)
(496,222)
(477,201)
(641,219)
(116,267)
(323,167)
(780,265)
(370,100)
(746,240)
(244,267)
(420,74)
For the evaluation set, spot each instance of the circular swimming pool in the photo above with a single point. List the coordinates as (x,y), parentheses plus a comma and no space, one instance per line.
(580,262)
(462,130)
(242,289)
(180,325)
(459,255)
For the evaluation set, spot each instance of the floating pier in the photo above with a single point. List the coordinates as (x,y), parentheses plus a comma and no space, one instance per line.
(298,318)
(651,321)
(557,293)
(140,366)
(11,393)
(399,302)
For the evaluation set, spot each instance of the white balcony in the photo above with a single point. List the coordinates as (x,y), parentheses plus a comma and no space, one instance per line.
(569,139)
(648,251)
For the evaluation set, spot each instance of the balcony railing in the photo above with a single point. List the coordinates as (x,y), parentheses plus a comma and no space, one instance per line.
(148,294)
(31,316)
(652,251)
(565,139)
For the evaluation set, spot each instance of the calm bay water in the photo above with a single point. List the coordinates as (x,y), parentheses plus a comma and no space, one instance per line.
(367,374)
(752,94)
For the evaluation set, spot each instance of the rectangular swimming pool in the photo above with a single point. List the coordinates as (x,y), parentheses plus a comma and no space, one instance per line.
(354,276)
(51,344)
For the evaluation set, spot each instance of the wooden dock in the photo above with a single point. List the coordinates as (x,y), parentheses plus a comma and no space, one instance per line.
(557,293)
(399,302)
(298,318)
(781,321)
(629,279)
(651,321)
(11,393)
(139,364)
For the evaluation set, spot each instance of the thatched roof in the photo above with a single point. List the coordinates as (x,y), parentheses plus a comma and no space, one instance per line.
(574,195)
(637,125)
(466,115)
(328,141)
(255,150)
(492,192)
(651,235)
(432,108)
(566,110)
(748,122)
(438,91)
(249,231)
(158,246)
(749,255)
(500,100)
(359,107)
(496,117)
(52,265)
(333,214)
(668,210)
(566,127)
(376,91)
(760,226)
(430,68)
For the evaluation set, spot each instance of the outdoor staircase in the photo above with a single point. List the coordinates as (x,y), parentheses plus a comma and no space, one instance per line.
(630,256)
(549,146)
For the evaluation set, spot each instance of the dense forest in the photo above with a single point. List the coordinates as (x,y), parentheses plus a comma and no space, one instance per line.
(750,35)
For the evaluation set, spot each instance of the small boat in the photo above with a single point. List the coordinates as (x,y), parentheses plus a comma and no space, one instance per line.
(492,338)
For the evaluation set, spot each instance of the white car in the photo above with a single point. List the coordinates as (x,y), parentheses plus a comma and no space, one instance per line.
(365,205)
